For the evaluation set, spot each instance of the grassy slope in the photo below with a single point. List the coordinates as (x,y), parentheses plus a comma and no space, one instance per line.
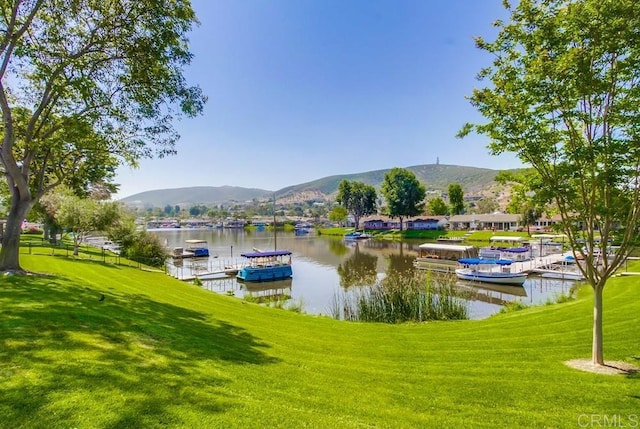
(160,353)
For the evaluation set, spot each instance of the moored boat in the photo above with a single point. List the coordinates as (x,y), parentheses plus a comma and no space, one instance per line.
(356,235)
(192,249)
(489,271)
(266,266)
(452,240)
(443,257)
(302,228)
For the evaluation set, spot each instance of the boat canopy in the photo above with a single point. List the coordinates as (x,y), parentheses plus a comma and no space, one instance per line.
(507,239)
(266,254)
(439,246)
(547,236)
(478,261)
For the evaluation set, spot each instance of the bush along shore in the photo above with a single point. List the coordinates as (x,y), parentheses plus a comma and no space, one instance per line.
(395,300)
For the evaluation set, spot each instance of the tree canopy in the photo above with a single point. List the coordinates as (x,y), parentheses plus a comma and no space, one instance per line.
(564,95)
(358,198)
(456,198)
(85,86)
(404,193)
(338,214)
(437,207)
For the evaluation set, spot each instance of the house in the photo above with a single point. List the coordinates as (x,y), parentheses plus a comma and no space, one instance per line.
(416,223)
(494,221)
(499,222)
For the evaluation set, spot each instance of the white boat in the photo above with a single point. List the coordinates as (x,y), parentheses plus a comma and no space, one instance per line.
(496,271)
(356,235)
(193,249)
(560,274)
(452,240)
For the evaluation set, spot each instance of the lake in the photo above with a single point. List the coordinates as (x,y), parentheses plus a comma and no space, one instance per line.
(324,267)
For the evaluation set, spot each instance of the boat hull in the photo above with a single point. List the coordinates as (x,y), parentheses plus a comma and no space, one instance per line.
(561,275)
(265,274)
(492,277)
(352,236)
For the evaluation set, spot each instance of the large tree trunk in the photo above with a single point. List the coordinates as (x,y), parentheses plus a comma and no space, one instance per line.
(597,352)
(10,251)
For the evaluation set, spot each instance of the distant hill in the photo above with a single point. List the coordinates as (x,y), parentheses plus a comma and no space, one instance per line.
(207,195)
(436,177)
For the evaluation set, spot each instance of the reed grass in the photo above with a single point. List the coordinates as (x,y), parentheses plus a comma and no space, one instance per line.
(403,299)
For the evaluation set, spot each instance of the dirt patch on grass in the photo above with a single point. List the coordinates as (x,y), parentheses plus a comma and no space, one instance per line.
(609,367)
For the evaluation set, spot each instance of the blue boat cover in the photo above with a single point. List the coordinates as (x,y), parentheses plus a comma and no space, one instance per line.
(476,261)
(266,254)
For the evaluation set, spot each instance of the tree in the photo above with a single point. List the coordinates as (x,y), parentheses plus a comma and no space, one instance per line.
(137,245)
(530,214)
(563,96)
(338,214)
(524,198)
(358,198)
(437,207)
(85,86)
(82,215)
(487,205)
(456,199)
(404,193)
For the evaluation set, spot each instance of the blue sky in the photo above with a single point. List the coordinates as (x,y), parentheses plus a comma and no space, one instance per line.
(303,89)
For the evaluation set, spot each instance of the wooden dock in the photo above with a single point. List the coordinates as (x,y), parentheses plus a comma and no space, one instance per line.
(204,270)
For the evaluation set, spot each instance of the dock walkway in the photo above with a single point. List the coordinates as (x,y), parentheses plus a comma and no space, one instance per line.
(539,262)
(204,269)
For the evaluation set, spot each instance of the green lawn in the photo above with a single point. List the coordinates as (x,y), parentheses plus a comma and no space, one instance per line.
(161,353)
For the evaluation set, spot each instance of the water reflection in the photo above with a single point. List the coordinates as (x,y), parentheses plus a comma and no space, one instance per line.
(275,290)
(338,247)
(359,269)
(400,265)
(492,293)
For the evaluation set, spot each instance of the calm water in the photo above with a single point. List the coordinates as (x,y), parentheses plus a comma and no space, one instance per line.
(323,267)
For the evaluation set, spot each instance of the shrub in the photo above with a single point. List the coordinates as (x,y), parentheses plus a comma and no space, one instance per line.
(147,249)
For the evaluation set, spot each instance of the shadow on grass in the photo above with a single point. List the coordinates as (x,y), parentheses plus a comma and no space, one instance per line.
(62,350)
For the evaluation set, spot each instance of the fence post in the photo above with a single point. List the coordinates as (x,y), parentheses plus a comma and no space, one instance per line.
(29,248)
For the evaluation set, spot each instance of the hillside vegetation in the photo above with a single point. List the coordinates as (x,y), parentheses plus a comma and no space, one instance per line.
(435,176)
(157,352)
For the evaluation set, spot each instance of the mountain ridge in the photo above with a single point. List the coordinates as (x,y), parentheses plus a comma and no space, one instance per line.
(435,177)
